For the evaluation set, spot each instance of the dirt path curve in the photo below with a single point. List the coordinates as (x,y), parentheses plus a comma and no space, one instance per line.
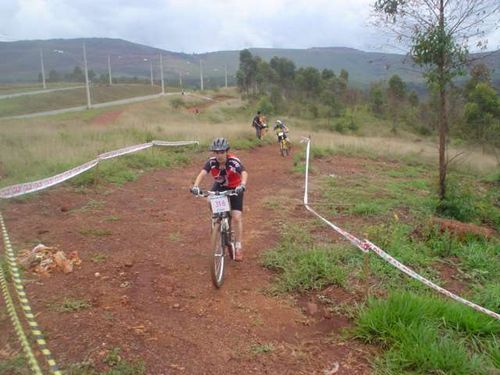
(145,272)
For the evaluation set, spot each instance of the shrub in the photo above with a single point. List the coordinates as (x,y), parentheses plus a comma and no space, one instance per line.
(458,203)
(264,105)
(177,103)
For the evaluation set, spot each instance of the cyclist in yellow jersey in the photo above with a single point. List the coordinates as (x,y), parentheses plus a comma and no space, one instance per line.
(281,127)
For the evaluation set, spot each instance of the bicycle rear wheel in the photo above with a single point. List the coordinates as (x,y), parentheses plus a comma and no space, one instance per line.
(217,259)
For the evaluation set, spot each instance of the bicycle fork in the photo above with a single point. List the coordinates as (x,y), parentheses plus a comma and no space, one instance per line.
(228,235)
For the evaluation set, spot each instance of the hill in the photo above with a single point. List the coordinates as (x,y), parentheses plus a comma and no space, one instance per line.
(20,61)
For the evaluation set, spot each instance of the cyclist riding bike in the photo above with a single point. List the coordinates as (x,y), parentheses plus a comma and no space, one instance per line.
(228,173)
(280,127)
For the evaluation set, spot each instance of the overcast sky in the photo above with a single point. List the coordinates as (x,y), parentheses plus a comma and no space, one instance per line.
(201,25)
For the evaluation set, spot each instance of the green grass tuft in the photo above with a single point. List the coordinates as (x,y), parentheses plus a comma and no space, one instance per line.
(301,265)
(71,305)
(120,366)
(257,349)
(14,366)
(425,335)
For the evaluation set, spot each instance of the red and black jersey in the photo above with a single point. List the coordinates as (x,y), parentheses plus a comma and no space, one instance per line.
(228,175)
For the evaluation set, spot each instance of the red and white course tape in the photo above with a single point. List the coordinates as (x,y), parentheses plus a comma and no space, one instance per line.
(366,246)
(30,187)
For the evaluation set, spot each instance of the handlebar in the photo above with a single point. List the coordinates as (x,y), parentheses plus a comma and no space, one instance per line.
(207,193)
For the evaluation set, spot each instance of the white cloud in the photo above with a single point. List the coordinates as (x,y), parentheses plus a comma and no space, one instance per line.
(197,25)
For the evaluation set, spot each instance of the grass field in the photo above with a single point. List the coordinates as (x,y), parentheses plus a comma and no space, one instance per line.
(36,148)
(27,87)
(72,98)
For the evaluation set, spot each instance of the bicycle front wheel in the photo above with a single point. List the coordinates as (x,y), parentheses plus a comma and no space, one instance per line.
(217,259)
(282,148)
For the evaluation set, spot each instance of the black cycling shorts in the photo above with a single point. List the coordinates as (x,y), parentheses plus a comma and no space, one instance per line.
(236,200)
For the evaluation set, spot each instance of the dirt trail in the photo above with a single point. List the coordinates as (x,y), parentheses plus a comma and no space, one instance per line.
(145,272)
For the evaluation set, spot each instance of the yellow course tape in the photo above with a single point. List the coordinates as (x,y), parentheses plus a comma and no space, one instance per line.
(23,299)
(17,326)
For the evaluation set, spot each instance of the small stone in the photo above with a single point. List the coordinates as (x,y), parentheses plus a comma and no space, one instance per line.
(176,306)
(311,308)
(124,300)
(97,274)
(332,370)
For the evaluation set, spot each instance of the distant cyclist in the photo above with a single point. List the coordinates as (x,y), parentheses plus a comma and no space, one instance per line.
(228,173)
(280,127)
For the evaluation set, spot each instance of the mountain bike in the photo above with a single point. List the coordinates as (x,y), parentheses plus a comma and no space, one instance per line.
(284,144)
(222,236)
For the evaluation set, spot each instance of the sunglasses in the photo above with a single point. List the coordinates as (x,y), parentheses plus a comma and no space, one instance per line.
(219,152)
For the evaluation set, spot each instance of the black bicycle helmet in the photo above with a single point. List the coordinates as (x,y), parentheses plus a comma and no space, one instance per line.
(219,144)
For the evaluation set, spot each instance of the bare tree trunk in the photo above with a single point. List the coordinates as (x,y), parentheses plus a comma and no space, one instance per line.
(443,118)
(443,133)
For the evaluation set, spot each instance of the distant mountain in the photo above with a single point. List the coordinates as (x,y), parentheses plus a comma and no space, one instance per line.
(20,61)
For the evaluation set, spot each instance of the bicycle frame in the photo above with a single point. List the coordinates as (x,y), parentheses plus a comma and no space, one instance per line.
(221,234)
(283,142)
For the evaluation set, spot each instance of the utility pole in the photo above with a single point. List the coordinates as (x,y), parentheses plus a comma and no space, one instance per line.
(201,76)
(225,71)
(109,70)
(151,70)
(89,105)
(180,80)
(161,75)
(43,69)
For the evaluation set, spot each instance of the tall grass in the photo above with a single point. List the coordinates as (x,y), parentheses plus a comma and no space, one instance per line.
(410,149)
(428,335)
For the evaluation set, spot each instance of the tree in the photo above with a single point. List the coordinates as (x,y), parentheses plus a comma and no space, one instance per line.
(103,78)
(377,98)
(285,70)
(308,81)
(265,76)
(343,80)
(396,94)
(247,72)
(438,33)
(482,114)
(54,76)
(397,87)
(327,74)
(77,75)
(276,98)
(478,73)
(413,99)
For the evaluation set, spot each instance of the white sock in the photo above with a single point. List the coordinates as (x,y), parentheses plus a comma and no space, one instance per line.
(237,245)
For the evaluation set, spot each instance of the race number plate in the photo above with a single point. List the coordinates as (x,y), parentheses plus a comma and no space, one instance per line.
(280,134)
(219,204)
